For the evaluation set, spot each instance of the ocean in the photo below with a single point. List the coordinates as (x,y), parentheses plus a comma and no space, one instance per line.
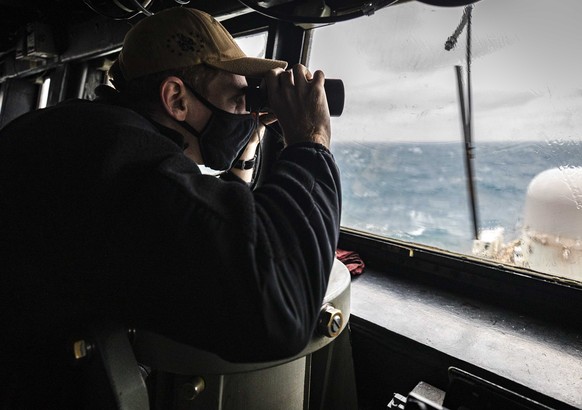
(418,191)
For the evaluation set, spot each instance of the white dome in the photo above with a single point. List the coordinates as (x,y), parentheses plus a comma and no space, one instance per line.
(552,232)
(553,203)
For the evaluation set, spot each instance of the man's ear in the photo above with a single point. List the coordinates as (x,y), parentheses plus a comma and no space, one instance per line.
(173,98)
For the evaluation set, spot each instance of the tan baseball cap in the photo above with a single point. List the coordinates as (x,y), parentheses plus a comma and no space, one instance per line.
(181,37)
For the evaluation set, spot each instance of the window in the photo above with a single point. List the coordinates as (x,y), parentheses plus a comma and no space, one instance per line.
(44,92)
(399,142)
(253,45)
(2,85)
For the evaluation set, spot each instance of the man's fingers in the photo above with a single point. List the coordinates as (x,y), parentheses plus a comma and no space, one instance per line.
(301,73)
(272,79)
(318,77)
(297,98)
(286,79)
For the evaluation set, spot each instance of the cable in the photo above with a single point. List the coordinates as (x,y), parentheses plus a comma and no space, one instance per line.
(366,9)
(141,8)
(122,8)
(275,131)
(452,40)
(89,4)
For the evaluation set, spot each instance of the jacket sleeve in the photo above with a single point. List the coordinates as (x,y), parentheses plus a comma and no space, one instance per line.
(240,273)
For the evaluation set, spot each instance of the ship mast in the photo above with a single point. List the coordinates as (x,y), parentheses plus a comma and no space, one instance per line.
(466,108)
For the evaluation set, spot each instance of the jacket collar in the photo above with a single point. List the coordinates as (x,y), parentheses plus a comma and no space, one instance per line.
(170,133)
(109,95)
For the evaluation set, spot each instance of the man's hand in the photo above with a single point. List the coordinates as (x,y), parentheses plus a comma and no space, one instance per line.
(298,100)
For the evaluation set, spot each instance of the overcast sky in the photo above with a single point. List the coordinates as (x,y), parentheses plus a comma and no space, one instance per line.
(401,85)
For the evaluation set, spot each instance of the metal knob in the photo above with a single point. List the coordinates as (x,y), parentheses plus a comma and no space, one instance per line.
(191,390)
(82,349)
(330,321)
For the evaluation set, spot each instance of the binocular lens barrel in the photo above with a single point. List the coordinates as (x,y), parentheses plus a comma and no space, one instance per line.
(256,96)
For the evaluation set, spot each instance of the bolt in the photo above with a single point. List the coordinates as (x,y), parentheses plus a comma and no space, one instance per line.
(330,321)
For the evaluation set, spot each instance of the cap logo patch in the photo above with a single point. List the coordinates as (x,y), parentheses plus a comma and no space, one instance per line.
(179,43)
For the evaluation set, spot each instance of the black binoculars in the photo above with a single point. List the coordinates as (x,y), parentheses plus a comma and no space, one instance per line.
(256,96)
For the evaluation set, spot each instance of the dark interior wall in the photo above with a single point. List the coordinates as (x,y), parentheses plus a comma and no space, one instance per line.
(19,97)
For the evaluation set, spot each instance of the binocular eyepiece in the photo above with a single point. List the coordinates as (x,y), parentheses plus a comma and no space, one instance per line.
(257,99)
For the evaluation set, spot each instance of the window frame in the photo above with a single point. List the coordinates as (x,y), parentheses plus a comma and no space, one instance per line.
(493,268)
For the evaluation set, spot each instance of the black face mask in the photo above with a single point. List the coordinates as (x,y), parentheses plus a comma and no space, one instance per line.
(225,136)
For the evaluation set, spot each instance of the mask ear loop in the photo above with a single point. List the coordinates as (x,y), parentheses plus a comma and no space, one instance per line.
(275,131)
(258,153)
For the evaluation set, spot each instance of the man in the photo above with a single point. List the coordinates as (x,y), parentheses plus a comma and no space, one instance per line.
(105,214)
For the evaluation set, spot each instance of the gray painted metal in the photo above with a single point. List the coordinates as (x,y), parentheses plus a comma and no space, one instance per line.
(282,384)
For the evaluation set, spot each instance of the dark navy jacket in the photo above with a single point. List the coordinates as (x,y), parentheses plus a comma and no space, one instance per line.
(102,216)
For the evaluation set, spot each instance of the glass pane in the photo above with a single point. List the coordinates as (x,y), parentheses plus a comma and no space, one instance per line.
(44,92)
(400,145)
(254,45)
(2,85)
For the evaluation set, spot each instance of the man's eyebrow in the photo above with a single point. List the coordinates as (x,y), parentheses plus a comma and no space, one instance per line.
(240,91)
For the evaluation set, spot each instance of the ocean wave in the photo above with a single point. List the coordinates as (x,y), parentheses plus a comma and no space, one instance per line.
(418,192)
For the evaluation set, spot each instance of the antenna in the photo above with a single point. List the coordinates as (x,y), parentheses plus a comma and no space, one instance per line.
(466,108)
